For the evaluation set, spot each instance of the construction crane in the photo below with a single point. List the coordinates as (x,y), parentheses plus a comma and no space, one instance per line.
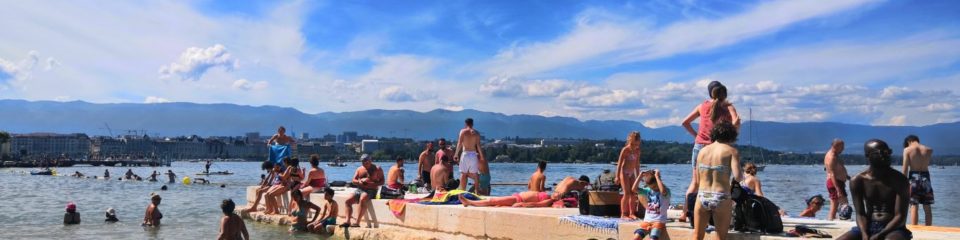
(107,126)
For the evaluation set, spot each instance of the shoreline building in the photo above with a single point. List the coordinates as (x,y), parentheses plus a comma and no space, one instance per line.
(50,145)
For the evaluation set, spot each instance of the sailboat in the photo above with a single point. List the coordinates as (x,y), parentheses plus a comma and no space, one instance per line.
(763,161)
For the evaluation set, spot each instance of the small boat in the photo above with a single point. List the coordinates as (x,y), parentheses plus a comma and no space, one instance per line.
(44,172)
(761,167)
(215,173)
(336,164)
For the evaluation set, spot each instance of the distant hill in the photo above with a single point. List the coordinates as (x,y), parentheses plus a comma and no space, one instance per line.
(170,119)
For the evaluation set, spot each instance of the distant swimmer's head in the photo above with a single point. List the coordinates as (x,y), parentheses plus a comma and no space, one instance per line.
(724,132)
(633,139)
(468,122)
(314,160)
(71,207)
(111,213)
(837,145)
(163,188)
(750,169)
(910,139)
(223,185)
(328,193)
(227,206)
(877,152)
(282,130)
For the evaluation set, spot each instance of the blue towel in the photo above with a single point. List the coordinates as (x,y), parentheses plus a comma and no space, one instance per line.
(278,152)
(595,223)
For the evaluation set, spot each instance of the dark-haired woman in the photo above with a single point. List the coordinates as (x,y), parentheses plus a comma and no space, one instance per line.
(750,181)
(316,179)
(716,109)
(716,164)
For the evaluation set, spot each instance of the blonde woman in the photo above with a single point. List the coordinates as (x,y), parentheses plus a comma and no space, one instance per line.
(628,169)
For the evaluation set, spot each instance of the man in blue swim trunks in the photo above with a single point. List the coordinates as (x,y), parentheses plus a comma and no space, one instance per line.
(880,196)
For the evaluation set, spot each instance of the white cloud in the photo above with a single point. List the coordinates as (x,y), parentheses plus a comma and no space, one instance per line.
(247,85)
(601,38)
(939,107)
(400,94)
(195,61)
(10,71)
(898,120)
(155,99)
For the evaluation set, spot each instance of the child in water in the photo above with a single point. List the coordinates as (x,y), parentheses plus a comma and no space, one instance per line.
(329,214)
(299,217)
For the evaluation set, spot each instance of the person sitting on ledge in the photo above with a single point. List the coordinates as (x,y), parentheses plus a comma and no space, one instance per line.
(656,197)
(368,178)
(880,196)
(531,198)
(329,215)
(303,209)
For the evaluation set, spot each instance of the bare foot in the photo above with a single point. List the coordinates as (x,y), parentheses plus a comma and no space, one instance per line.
(463,200)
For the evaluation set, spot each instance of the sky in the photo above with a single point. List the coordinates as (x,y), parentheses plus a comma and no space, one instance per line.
(851,61)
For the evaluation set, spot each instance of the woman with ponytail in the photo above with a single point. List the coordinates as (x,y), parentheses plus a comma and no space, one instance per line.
(712,111)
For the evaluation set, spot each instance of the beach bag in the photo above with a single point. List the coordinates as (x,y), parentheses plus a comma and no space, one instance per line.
(388,193)
(338,184)
(757,214)
(584,199)
(604,203)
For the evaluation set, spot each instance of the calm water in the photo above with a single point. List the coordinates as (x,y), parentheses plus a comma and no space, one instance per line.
(32,206)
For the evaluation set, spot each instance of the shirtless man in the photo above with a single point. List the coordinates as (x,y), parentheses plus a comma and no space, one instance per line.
(425,163)
(537,179)
(439,175)
(836,177)
(281,137)
(368,178)
(468,154)
(443,150)
(916,161)
(231,225)
(880,196)
(532,198)
(395,175)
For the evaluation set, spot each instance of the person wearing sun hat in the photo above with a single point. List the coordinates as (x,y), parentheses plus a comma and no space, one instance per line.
(71,216)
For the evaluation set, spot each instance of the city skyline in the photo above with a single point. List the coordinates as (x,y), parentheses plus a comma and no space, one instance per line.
(850,61)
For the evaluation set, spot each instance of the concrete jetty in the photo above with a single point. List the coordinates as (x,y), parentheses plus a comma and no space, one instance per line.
(457,222)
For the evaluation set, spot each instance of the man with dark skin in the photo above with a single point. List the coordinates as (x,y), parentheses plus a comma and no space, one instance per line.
(880,197)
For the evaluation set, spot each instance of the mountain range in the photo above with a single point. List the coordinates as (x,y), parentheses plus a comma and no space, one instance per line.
(173,119)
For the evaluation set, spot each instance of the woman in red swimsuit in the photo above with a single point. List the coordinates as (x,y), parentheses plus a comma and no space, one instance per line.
(316,179)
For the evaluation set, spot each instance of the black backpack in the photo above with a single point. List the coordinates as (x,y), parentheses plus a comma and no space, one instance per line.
(757,214)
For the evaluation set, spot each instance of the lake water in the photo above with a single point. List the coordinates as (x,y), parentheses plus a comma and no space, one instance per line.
(32,206)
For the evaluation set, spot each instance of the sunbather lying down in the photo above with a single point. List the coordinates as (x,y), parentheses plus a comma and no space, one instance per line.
(522,199)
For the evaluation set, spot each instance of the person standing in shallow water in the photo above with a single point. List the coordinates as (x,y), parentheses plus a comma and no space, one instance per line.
(231,225)
(628,169)
(880,196)
(71,216)
(916,163)
(836,177)
(152,216)
(710,112)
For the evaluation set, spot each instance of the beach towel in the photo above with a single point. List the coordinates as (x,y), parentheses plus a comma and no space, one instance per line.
(398,205)
(278,152)
(602,225)
(450,198)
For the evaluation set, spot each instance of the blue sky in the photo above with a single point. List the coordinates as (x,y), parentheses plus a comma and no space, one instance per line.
(853,61)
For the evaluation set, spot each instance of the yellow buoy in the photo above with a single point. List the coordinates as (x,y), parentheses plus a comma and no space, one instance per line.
(186,180)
